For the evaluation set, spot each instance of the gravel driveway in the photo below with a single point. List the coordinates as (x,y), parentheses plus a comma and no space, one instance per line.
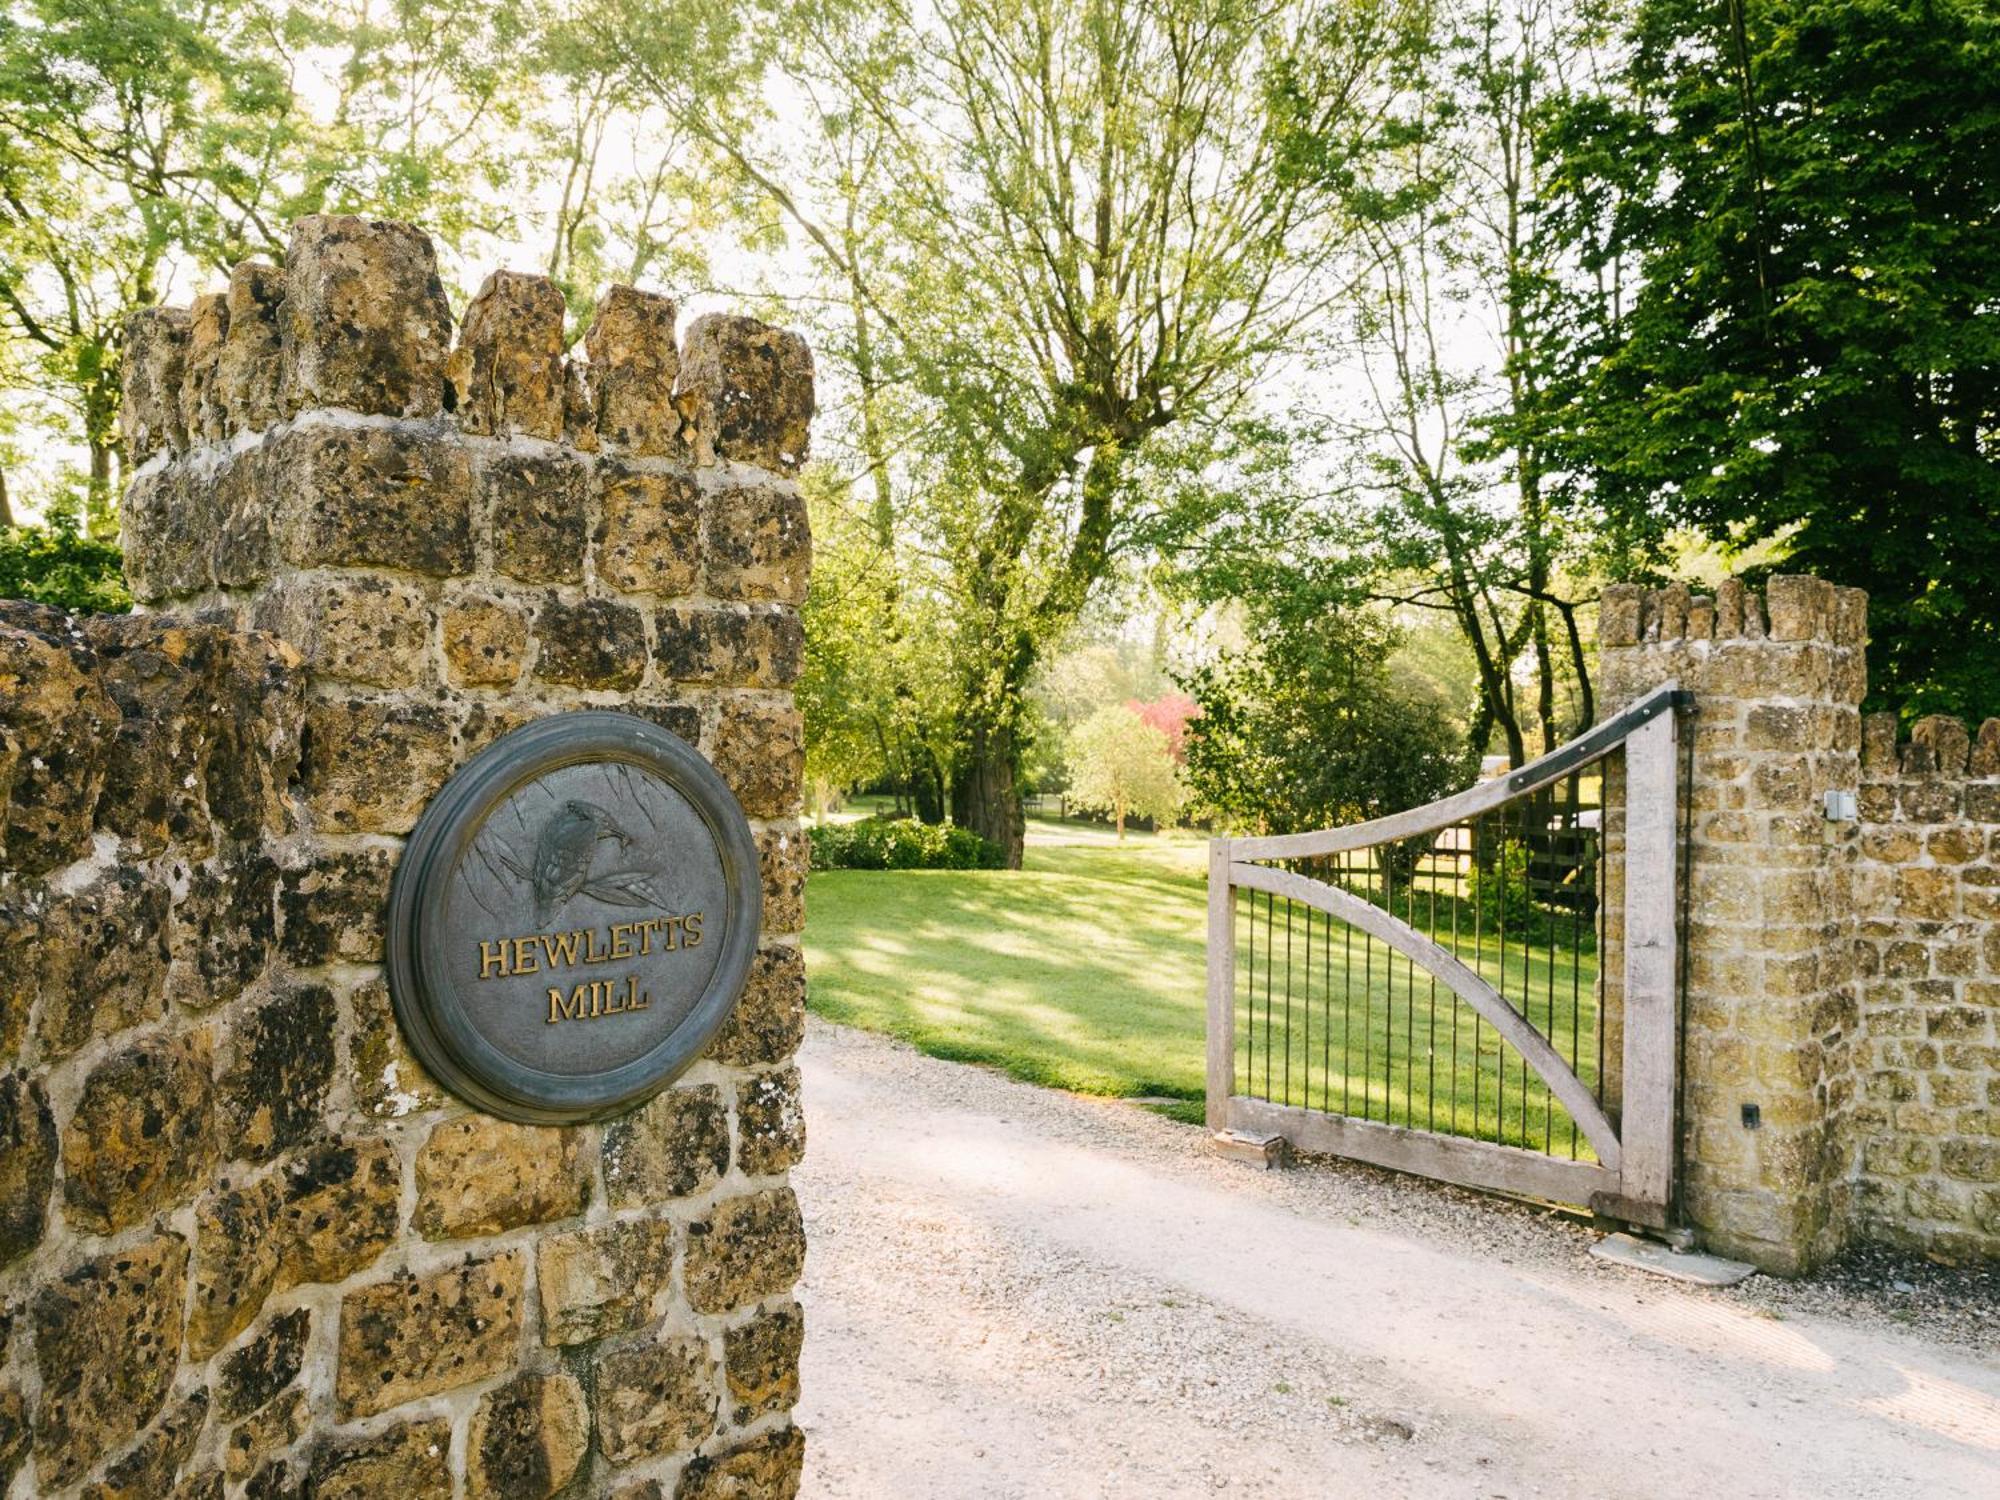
(1015,1292)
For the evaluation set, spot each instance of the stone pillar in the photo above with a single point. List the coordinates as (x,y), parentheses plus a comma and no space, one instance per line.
(1770,1008)
(250,1240)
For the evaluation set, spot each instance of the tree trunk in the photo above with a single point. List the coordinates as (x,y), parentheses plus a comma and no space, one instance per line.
(6,509)
(986,792)
(927,785)
(1120,813)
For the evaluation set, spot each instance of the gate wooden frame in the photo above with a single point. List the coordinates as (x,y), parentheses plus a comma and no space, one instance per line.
(1633,1177)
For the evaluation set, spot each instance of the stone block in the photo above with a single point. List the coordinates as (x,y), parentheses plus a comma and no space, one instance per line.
(140,1137)
(326,1214)
(201,399)
(654,1400)
(104,960)
(759,646)
(1971,1160)
(335,907)
(783,854)
(338,1207)
(411,1461)
(534,503)
(257,1439)
(1801,608)
(770,1467)
(760,752)
(372,497)
(528,1439)
(353,627)
(245,548)
(154,1468)
(155,363)
(1930,800)
(593,643)
(759,543)
(648,530)
(258,1371)
(1985,756)
(1924,894)
(371,766)
(674,1145)
(605,1280)
(1618,614)
(746,390)
(1944,741)
(761,1362)
(365,324)
(770,1123)
(246,375)
(15,1432)
(388,1081)
(485,641)
(107,1341)
(481,1176)
(769,1021)
(27,1165)
(273,1086)
(223,929)
(744,1250)
(60,722)
(633,365)
(417,1335)
(506,371)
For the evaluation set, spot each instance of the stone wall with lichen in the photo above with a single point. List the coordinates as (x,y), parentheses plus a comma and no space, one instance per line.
(1927,950)
(246,1246)
(1841,1071)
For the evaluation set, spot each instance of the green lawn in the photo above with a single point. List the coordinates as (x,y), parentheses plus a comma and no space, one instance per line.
(1086,971)
(1083,971)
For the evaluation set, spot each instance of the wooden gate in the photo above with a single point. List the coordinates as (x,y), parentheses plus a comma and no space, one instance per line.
(1480,990)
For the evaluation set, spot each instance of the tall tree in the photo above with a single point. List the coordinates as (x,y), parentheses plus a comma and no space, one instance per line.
(1810,356)
(1092,245)
(1460,511)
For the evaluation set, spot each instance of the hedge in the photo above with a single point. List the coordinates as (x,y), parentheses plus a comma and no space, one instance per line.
(901,844)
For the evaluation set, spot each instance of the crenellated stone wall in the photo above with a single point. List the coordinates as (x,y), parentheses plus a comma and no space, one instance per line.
(1840,1077)
(246,1246)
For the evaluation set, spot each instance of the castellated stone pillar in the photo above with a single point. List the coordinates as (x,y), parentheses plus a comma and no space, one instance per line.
(244,1240)
(1771,1009)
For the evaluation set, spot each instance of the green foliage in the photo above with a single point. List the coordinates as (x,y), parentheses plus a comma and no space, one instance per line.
(1499,890)
(1809,350)
(1307,729)
(1121,765)
(56,564)
(901,844)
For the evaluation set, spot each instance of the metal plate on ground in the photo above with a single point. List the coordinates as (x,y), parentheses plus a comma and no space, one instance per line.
(573,919)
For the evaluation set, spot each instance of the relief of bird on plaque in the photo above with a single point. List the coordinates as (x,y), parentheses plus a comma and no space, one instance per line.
(568,857)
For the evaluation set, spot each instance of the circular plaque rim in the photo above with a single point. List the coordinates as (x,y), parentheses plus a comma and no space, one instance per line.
(424,1000)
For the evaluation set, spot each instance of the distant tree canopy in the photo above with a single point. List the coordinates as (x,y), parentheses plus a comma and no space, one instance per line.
(1123,766)
(1359,310)
(1308,729)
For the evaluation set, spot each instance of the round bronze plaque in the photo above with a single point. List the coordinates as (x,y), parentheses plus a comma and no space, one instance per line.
(573,919)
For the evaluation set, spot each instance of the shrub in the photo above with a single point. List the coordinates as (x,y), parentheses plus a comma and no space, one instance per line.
(1505,896)
(901,844)
(57,564)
